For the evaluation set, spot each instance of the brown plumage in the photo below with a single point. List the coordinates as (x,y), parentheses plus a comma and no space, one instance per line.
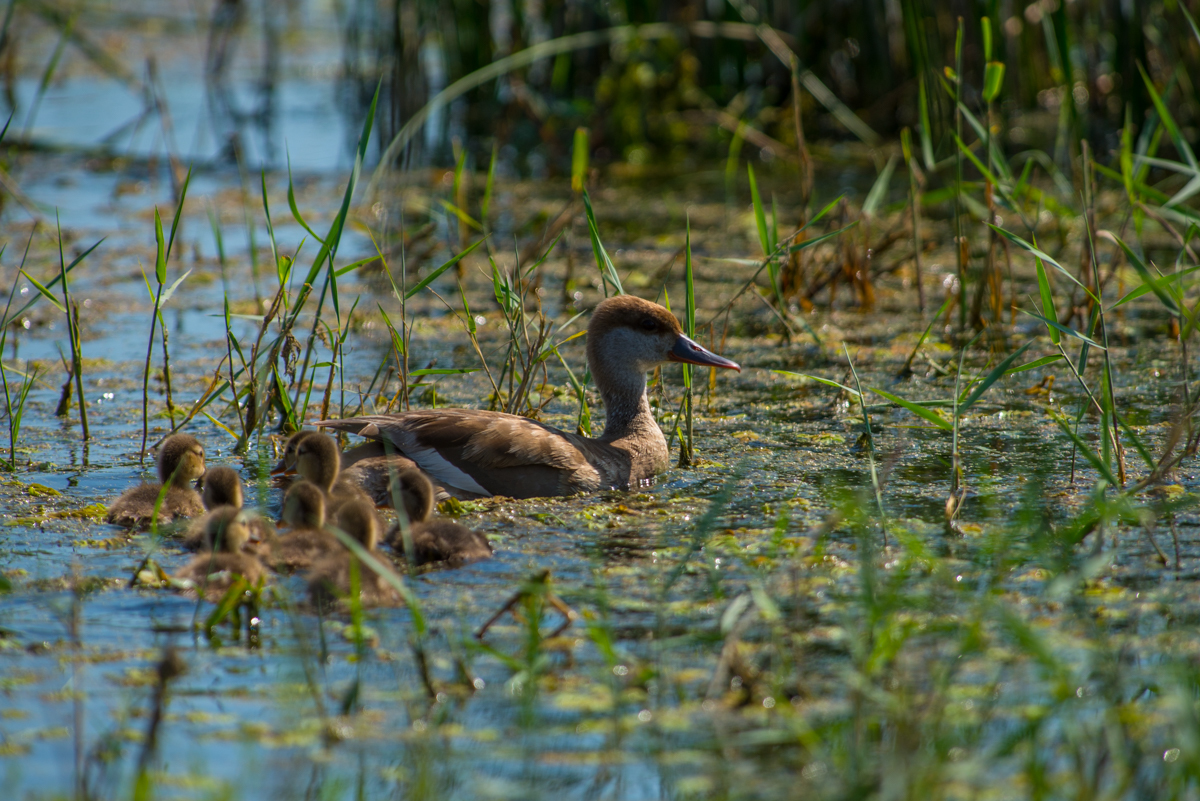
(432,540)
(223,487)
(287,462)
(180,462)
(319,461)
(214,572)
(476,453)
(329,580)
(306,538)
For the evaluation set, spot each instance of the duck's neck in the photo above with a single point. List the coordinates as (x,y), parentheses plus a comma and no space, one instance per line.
(626,407)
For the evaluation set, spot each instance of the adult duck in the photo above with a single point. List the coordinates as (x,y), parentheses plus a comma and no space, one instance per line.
(431,541)
(475,453)
(180,462)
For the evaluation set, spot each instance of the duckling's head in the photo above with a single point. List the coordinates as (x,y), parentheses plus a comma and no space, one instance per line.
(304,506)
(287,462)
(225,530)
(222,487)
(416,494)
(180,460)
(358,519)
(318,460)
(627,337)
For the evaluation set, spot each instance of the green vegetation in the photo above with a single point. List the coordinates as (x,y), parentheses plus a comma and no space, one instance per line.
(904,555)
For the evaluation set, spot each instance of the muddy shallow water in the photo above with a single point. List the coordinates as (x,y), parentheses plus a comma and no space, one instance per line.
(632,701)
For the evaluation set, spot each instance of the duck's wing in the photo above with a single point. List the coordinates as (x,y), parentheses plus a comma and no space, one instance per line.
(488,453)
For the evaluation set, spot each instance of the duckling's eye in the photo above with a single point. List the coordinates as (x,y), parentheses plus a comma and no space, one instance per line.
(649,324)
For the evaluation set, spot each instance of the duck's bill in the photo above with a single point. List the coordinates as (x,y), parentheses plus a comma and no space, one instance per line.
(690,352)
(279,469)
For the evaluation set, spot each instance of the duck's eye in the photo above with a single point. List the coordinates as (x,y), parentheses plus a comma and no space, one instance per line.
(649,324)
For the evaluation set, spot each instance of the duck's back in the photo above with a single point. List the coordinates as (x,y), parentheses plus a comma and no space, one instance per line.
(442,541)
(135,507)
(329,583)
(475,453)
(299,548)
(214,573)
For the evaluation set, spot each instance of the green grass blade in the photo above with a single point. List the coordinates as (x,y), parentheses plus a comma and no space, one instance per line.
(160,256)
(920,411)
(1144,273)
(1047,300)
(760,217)
(880,187)
(998,372)
(1168,122)
(608,272)
(1036,363)
(1039,254)
(427,280)
(1071,332)
(853,392)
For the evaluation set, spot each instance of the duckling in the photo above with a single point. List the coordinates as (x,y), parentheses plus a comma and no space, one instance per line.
(319,461)
(180,462)
(306,539)
(223,487)
(213,573)
(433,540)
(329,580)
(287,463)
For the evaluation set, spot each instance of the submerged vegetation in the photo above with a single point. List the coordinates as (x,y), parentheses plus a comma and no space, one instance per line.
(939,540)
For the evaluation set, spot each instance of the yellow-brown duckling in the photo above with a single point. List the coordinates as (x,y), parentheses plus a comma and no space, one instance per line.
(214,572)
(180,462)
(318,460)
(432,540)
(287,463)
(306,538)
(223,487)
(329,580)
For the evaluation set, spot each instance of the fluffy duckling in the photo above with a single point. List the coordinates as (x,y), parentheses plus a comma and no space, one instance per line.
(287,463)
(329,581)
(306,539)
(180,462)
(433,540)
(213,573)
(319,461)
(223,487)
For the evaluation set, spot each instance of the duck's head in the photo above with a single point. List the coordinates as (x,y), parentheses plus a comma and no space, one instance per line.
(222,487)
(318,460)
(287,463)
(358,519)
(225,530)
(631,335)
(180,460)
(304,506)
(416,494)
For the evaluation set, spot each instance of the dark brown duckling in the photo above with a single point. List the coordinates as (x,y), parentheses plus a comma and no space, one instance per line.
(329,581)
(214,572)
(433,540)
(306,538)
(318,460)
(223,487)
(180,462)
